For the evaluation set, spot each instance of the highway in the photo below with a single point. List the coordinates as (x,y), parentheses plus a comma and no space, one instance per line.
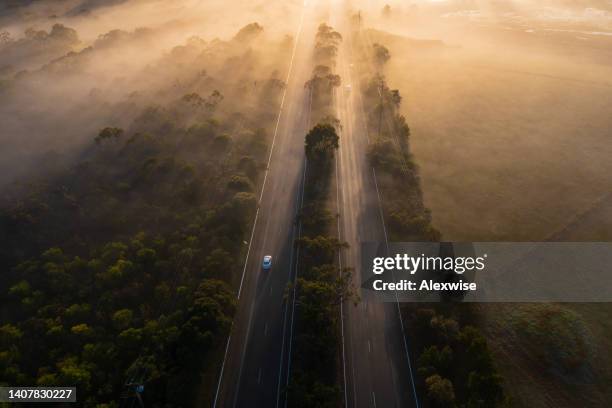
(255,365)
(375,371)
(377,363)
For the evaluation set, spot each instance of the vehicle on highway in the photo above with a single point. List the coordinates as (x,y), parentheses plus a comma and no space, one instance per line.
(267,262)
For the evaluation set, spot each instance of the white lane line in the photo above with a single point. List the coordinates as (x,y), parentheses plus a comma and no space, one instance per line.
(340,263)
(293,52)
(222,367)
(266,330)
(369,346)
(259,377)
(297,257)
(280,370)
(249,250)
(348,125)
(263,185)
(382,217)
(374,399)
(299,234)
(293,251)
(399,311)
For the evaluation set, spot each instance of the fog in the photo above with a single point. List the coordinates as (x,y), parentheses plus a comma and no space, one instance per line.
(508,104)
(70,68)
(508,101)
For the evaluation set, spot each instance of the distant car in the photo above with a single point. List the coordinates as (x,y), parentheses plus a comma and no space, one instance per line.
(267,262)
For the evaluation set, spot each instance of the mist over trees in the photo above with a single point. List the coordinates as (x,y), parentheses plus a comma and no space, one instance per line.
(321,285)
(116,78)
(454,366)
(35,47)
(115,248)
(324,80)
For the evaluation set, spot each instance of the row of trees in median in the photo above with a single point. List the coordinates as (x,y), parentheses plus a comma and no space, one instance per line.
(321,285)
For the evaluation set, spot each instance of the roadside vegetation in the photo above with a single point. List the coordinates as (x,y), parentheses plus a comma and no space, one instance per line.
(119,268)
(321,284)
(454,366)
(484,180)
(324,79)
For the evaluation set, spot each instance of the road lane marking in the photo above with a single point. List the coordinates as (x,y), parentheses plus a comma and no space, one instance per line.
(374,399)
(298,207)
(297,256)
(263,185)
(382,217)
(369,346)
(360,97)
(280,371)
(246,261)
(399,311)
(222,366)
(297,39)
(266,330)
(259,377)
(340,271)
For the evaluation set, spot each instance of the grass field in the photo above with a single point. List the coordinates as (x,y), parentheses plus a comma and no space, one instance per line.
(509,149)
(517,147)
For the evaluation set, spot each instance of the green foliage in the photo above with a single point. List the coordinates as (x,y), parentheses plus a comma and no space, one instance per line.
(128,323)
(319,250)
(555,335)
(114,264)
(306,391)
(397,174)
(240,183)
(314,216)
(321,286)
(248,33)
(249,167)
(440,393)
(9,335)
(324,80)
(115,269)
(108,134)
(122,319)
(435,360)
(320,143)
(82,330)
(382,155)
(380,54)
(454,364)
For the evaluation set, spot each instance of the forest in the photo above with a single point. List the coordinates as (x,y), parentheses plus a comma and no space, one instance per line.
(120,262)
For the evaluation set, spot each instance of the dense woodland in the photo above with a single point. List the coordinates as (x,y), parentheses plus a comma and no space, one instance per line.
(454,366)
(119,267)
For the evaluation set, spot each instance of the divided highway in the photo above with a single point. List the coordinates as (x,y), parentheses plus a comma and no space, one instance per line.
(376,365)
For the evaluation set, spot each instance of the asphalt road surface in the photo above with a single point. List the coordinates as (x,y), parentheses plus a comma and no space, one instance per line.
(257,355)
(254,372)
(376,359)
